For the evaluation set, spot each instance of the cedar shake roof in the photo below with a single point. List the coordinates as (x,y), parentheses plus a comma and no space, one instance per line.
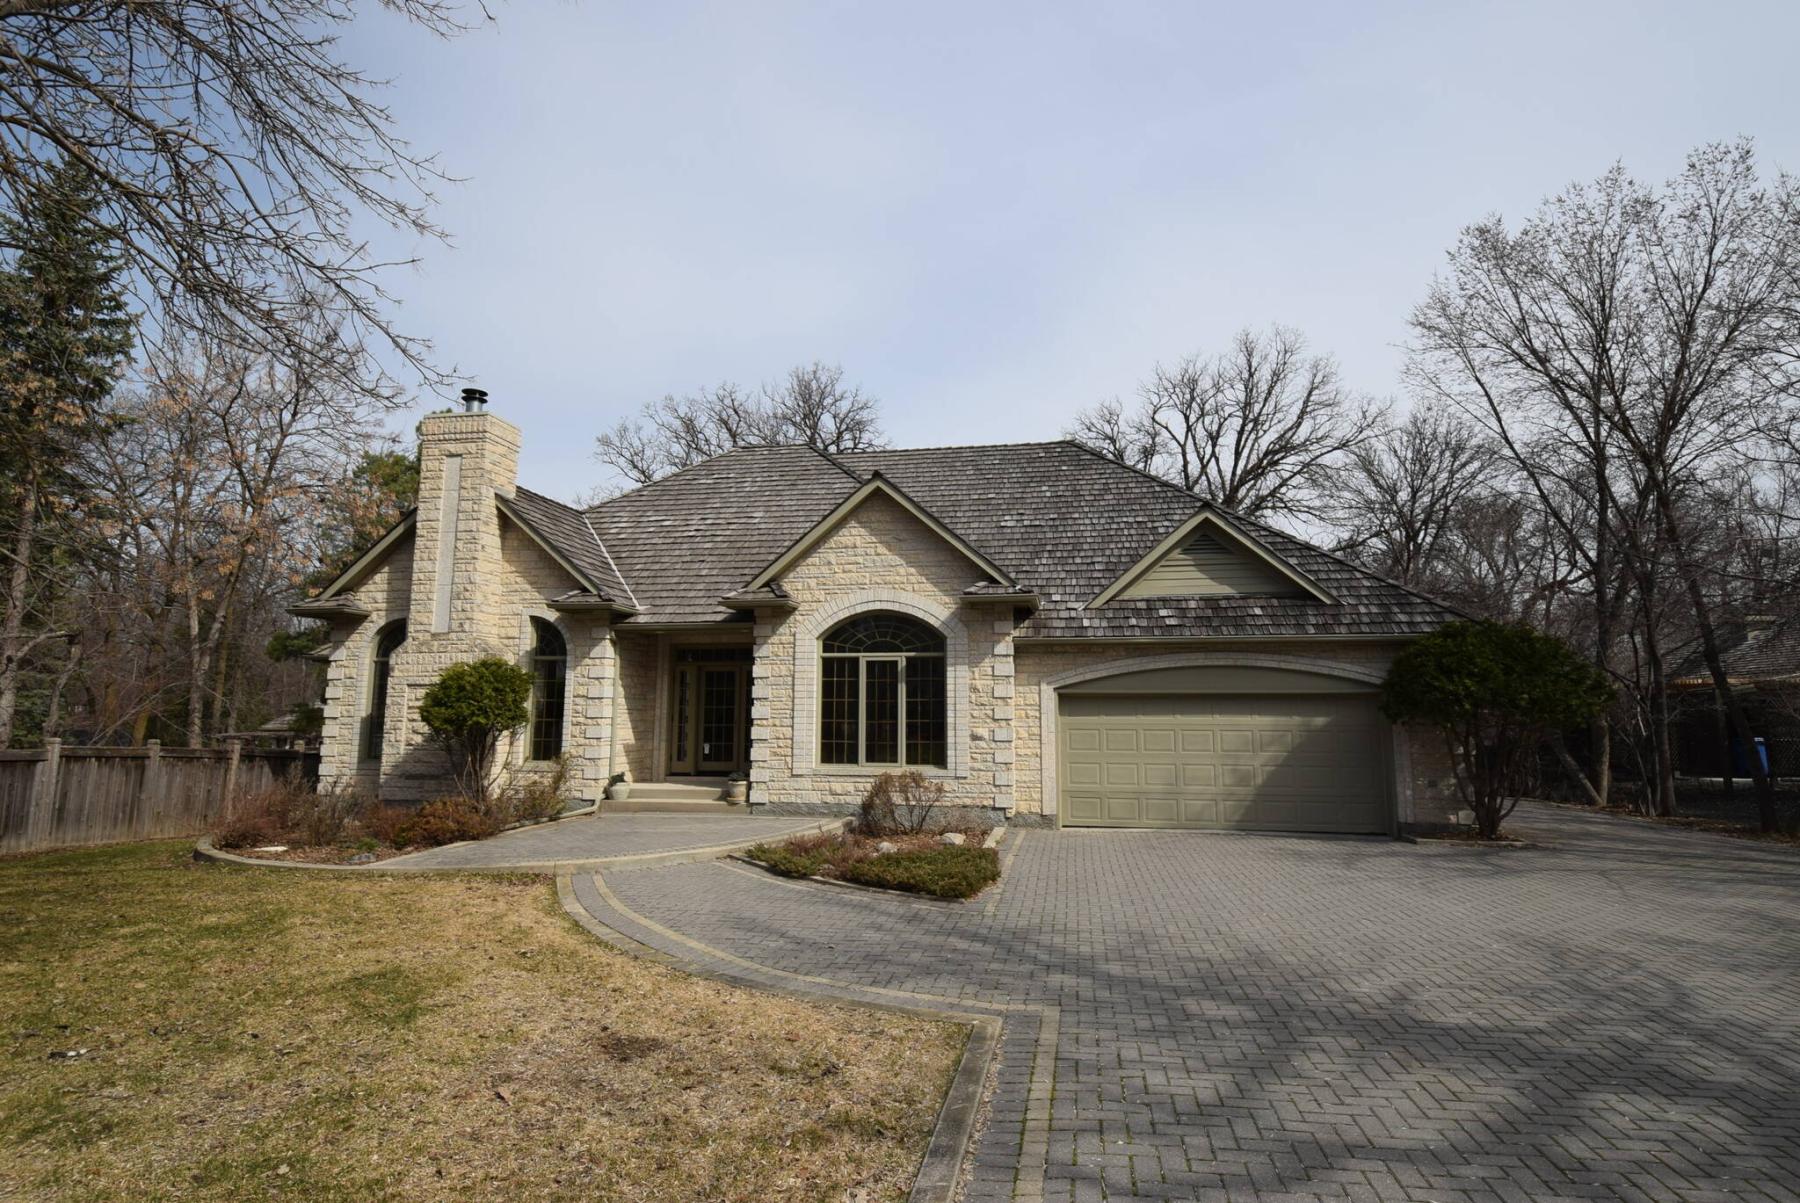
(567,529)
(1063,521)
(1754,652)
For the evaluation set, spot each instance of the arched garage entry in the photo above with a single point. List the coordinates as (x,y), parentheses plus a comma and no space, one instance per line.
(1225,747)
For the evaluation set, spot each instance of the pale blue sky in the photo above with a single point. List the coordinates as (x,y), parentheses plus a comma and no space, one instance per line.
(993,215)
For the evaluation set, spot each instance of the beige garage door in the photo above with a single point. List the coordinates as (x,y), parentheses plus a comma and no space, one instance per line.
(1258,763)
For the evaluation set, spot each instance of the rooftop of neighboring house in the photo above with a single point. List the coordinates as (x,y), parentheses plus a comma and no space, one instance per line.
(1755,650)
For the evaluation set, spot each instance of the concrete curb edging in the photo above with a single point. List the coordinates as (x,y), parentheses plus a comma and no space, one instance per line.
(948,1147)
(205,851)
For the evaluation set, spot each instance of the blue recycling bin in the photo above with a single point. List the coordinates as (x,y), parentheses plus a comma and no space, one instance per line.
(1740,762)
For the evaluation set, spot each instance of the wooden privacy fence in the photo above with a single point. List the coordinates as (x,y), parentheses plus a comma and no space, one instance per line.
(58,797)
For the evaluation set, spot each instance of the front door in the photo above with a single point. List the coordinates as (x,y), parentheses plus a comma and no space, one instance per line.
(707,724)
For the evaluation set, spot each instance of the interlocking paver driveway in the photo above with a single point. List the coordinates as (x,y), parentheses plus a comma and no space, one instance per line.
(1615,1016)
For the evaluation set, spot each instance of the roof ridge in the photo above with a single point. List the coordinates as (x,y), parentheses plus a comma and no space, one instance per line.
(953,447)
(686,468)
(831,459)
(631,593)
(1149,476)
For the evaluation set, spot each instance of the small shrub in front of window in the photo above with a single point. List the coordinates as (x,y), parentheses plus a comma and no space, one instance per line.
(900,804)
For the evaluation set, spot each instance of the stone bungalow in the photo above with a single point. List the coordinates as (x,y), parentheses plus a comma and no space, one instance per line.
(1056,637)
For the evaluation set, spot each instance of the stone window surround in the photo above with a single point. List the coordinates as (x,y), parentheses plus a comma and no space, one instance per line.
(806,680)
(365,687)
(527,640)
(1050,687)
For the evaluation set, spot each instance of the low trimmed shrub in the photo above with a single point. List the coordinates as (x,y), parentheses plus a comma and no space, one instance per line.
(445,821)
(789,861)
(247,829)
(386,823)
(949,872)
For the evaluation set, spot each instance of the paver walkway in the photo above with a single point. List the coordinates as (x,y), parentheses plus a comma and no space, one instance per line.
(593,837)
(1195,1016)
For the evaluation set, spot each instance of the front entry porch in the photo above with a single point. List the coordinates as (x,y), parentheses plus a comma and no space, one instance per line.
(683,730)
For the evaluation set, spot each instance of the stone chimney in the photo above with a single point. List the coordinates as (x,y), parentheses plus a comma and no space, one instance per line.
(464,459)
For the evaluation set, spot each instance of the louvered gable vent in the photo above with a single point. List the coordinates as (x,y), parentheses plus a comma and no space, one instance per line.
(1207,566)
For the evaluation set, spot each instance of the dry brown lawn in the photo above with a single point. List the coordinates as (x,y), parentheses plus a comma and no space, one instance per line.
(242,1034)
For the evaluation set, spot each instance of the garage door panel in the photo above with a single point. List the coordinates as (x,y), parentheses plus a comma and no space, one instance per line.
(1198,742)
(1084,774)
(1082,807)
(1303,763)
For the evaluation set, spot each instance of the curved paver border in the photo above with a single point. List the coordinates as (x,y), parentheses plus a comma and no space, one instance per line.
(205,851)
(951,1136)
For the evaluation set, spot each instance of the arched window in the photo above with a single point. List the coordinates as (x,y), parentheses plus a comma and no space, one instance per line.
(381,669)
(549,664)
(881,690)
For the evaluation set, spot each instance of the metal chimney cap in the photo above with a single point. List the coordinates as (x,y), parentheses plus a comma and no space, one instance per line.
(474,400)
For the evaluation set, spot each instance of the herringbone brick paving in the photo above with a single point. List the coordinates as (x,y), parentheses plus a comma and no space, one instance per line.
(1613,1016)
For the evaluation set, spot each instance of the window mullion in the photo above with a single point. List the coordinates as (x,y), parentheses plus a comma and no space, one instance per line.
(900,716)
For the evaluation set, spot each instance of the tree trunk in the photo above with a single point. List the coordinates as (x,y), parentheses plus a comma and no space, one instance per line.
(1734,713)
(1662,789)
(1722,725)
(18,585)
(1563,757)
(53,711)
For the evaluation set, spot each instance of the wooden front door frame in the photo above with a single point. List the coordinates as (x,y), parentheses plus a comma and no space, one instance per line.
(687,680)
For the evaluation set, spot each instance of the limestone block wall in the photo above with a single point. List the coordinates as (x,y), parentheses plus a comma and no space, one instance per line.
(637,703)
(468,582)
(518,590)
(1425,795)
(880,558)
(387,593)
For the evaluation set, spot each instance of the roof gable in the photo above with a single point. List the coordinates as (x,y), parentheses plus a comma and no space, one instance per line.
(368,559)
(877,484)
(1208,556)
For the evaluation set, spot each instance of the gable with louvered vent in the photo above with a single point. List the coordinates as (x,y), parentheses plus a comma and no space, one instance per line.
(1207,566)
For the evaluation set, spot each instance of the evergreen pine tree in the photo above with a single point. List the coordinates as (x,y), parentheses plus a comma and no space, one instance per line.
(65,339)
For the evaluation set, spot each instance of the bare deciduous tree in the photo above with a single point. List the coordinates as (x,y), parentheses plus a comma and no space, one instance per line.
(214,476)
(234,151)
(1257,429)
(1402,496)
(812,407)
(1625,346)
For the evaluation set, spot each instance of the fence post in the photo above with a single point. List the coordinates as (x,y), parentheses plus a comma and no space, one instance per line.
(43,797)
(234,750)
(150,799)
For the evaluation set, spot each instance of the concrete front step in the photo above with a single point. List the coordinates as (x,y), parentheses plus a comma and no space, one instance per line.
(651,806)
(677,791)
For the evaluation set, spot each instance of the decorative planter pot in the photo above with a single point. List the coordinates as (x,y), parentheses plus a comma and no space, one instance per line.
(737,791)
(620,792)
